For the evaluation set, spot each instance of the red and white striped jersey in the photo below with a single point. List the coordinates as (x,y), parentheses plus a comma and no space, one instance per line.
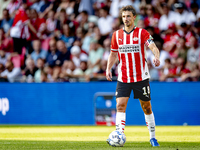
(19,28)
(131,54)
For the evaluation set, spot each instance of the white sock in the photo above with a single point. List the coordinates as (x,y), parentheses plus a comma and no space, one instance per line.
(150,122)
(120,121)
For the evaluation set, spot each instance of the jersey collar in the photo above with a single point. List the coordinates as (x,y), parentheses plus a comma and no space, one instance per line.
(130,31)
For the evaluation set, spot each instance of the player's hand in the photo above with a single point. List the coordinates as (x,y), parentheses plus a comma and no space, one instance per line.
(108,75)
(156,62)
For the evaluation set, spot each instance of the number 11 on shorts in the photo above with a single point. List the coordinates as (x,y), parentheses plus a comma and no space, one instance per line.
(146,90)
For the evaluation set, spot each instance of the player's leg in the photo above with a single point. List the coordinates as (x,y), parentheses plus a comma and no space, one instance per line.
(142,91)
(150,121)
(121,113)
(123,91)
(149,117)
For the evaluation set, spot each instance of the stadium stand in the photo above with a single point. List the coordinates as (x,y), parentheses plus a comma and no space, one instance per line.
(69,40)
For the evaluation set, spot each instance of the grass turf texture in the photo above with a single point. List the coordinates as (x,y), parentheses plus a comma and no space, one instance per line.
(94,137)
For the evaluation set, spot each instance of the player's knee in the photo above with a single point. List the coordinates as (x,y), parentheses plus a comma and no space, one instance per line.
(147,110)
(121,107)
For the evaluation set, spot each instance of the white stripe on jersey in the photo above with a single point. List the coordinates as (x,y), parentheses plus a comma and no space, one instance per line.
(134,66)
(141,62)
(126,58)
(117,33)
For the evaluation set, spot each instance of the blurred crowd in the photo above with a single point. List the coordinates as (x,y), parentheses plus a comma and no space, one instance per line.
(69,40)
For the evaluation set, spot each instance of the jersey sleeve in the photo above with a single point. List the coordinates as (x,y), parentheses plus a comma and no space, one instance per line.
(114,45)
(147,39)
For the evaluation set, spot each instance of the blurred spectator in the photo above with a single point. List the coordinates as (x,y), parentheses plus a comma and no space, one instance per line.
(152,18)
(86,5)
(11,73)
(70,72)
(62,19)
(193,53)
(6,44)
(182,15)
(95,56)
(37,5)
(106,46)
(77,56)
(68,5)
(51,23)
(168,70)
(184,32)
(40,66)
(101,74)
(53,55)
(45,5)
(29,71)
(193,76)
(52,73)
(38,24)
(80,33)
(2,68)
(170,39)
(196,30)
(181,49)
(38,52)
(68,35)
(166,19)
(20,29)
(4,57)
(82,18)
(65,53)
(13,6)
(88,37)
(104,22)
(195,12)
(6,22)
(140,24)
(142,11)
(44,77)
(4,4)
(117,4)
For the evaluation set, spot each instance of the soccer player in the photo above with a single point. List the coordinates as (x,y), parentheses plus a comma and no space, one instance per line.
(128,44)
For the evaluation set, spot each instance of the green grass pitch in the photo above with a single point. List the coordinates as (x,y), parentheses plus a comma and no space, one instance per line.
(94,138)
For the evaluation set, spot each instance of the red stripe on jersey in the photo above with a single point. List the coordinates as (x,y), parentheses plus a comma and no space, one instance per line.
(123,124)
(123,68)
(123,121)
(121,37)
(138,67)
(130,67)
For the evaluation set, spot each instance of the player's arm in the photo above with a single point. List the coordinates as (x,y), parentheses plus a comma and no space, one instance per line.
(111,60)
(152,46)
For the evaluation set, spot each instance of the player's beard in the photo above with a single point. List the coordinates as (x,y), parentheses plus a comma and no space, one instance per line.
(127,24)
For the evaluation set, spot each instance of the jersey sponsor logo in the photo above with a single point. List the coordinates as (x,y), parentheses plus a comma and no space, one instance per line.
(135,39)
(129,48)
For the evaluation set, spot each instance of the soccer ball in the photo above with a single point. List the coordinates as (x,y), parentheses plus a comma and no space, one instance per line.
(116,139)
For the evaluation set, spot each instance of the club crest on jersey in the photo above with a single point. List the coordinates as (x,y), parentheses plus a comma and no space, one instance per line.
(135,39)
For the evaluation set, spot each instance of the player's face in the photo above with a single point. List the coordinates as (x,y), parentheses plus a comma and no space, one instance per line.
(128,18)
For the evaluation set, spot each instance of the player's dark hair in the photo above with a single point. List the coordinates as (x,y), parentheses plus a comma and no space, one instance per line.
(128,8)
